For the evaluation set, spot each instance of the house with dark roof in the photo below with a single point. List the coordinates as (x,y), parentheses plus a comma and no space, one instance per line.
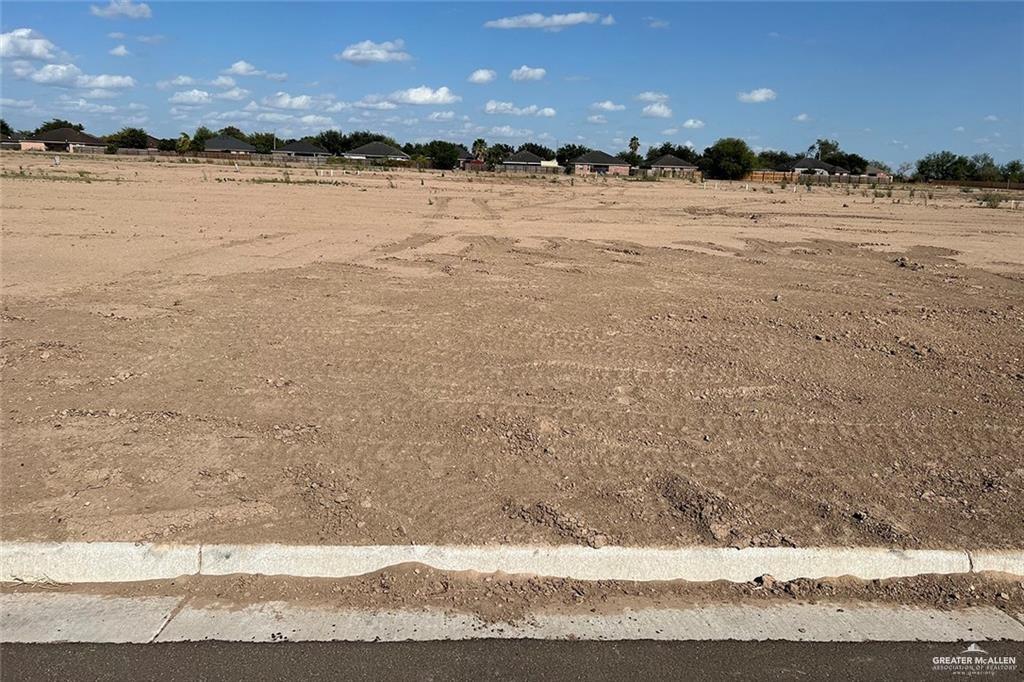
(875,172)
(64,140)
(8,142)
(600,163)
(376,151)
(672,166)
(225,144)
(467,161)
(301,148)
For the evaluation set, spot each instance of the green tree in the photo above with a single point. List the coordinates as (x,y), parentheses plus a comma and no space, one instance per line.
(985,168)
(479,148)
(497,153)
(5,129)
(56,123)
(199,139)
(540,150)
(167,145)
(774,158)
(443,155)
(634,145)
(944,165)
(630,157)
(822,149)
(232,131)
(360,137)
(1013,171)
(568,152)
(730,158)
(332,140)
(881,165)
(184,143)
(130,138)
(264,142)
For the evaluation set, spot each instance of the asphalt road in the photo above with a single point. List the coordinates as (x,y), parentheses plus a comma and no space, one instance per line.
(486,659)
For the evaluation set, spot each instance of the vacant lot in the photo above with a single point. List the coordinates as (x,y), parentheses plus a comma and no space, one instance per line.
(192,352)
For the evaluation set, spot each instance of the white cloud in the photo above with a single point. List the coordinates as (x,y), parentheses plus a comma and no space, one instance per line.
(277,77)
(992,118)
(652,96)
(657,110)
(670,131)
(105,81)
(234,94)
(177,81)
(335,107)
(116,35)
(552,22)
(693,123)
(57,74)
(597,119)
(134,120)
(24,43)
(70,76)
(282,100)
(243,68)
(801,118)
(86,106)
(607,105)
(122,8)
(654,22)
(190,97)
(424,95)
(496,107)
(7,103)
(441,116)
(150,40)
(220,82)
(99,93)
(959,129)
(120,51)
(368,52)
(508,131)
(274,117)
(314,120)
(527,73)
(756,96)
(482,76)
(375,103)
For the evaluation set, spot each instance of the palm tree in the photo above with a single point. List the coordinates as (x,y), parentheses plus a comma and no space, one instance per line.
(480,148)
(634,144)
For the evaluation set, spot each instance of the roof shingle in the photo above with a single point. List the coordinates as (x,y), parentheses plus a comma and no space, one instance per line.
(599,158)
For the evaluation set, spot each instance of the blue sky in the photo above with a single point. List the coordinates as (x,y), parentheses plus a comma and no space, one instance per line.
(890,81)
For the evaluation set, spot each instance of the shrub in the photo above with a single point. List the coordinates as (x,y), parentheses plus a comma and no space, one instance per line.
(991,199)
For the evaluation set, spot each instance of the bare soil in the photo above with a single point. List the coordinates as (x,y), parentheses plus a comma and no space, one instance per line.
(189,355)
(510,598)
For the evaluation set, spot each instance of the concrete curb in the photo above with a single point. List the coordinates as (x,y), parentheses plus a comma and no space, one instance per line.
(48,618)
(97,562)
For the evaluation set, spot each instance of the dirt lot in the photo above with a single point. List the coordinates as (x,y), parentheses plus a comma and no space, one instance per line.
(193,353)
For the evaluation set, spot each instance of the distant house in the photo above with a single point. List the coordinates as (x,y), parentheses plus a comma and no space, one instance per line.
(152,142)
(301,148)
(467,161)
(813,166)
(600,163)
(522,162)
(877,173)
(64,140)
(8,142)
(225,144)
(673,166)
(376,151)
